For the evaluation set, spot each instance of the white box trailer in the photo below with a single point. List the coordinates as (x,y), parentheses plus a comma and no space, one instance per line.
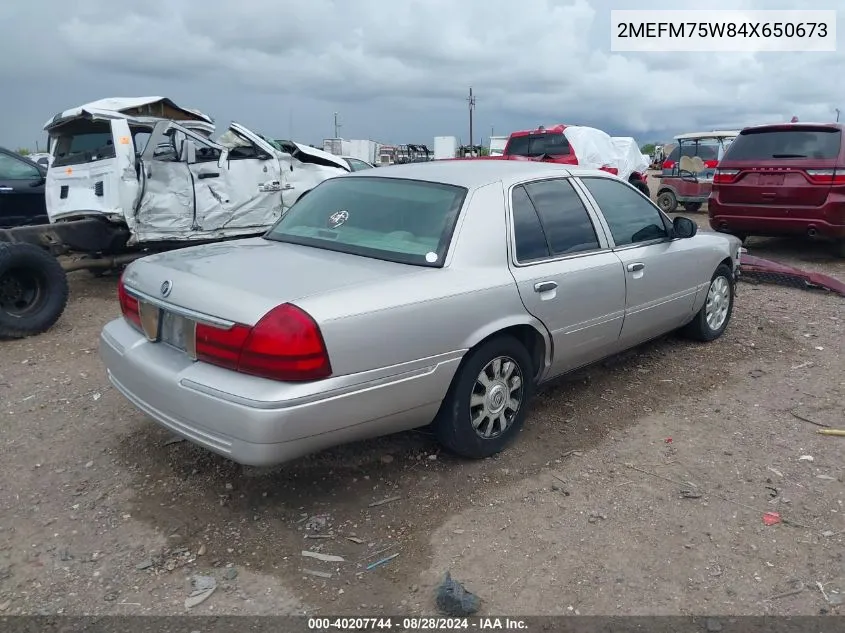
(336,146)
(362,149)
(365,150)
(497,145)
(445,147)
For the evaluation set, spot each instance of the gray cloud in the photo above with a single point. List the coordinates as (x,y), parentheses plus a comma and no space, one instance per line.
(396,71)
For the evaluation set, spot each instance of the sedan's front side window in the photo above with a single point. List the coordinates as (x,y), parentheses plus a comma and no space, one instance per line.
(630,217)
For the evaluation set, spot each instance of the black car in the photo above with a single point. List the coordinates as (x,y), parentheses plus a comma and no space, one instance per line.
(21,190)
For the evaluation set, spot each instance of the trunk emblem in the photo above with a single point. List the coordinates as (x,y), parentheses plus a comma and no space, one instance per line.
(166,287)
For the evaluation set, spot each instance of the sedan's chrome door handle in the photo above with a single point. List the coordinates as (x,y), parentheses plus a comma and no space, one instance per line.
(545,286)
(635,267)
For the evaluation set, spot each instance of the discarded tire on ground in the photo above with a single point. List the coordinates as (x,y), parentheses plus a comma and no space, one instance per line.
(33,290)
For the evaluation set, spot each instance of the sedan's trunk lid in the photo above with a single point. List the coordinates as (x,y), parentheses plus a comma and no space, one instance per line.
(241,281)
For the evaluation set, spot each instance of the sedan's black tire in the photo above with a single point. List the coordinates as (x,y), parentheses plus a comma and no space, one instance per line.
(502,403)
(714,316)
(33,290)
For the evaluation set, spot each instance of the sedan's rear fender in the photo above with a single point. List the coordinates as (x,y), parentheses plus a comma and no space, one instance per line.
(527,330)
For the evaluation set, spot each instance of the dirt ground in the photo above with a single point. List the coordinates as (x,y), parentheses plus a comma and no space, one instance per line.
(638,486)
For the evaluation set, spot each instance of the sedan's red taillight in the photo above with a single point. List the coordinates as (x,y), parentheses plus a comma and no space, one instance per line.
(725,176)
(286,344)
(128,305)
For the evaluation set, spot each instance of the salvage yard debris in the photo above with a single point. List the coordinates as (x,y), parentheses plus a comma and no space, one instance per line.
(720,496)
(202,588)
(764,270)
(453,599)
(384,501)
(381,562)
(328,558)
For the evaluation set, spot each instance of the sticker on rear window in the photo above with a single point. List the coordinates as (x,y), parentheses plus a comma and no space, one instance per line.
(338,219)
(431,257)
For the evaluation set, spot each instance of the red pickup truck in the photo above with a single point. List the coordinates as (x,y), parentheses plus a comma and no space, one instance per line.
(552,144)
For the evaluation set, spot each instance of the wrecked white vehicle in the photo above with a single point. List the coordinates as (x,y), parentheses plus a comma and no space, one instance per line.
(134,176)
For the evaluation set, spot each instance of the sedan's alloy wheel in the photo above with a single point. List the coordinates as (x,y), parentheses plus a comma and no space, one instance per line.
(496,397)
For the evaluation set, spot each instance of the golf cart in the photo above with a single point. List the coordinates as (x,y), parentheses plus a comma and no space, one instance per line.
(687,175)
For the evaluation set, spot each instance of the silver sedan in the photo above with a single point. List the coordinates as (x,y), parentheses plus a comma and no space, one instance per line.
(434,293)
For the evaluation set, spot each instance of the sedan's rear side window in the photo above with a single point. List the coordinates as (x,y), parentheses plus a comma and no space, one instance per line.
(550,220)
(798,142)
(629,215)
(565,219)
(406,221)
(529,238)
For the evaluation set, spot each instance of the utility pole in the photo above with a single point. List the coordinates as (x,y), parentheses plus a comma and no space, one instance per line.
(837,114)
(471,101)
(336,125)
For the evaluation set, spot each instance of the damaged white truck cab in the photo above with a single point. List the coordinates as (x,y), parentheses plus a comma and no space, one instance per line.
(130,177)
(167,181)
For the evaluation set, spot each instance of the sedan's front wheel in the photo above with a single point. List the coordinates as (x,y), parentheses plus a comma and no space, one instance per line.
(712,320)
(486,403)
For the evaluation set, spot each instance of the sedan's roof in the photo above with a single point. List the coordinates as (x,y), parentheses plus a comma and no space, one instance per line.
(473,174)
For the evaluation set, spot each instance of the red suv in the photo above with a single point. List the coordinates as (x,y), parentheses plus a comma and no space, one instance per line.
(786,179)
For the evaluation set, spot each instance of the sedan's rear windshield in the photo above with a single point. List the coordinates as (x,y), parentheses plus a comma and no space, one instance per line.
(405,221)
(539,145)
(768,144)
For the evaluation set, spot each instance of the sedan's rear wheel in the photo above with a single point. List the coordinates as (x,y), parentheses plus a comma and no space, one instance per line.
(486,403)
(712,320)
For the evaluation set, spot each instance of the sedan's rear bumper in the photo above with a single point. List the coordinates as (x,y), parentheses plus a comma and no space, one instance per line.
(258,422)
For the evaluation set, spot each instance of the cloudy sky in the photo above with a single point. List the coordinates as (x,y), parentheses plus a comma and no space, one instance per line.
(397,71)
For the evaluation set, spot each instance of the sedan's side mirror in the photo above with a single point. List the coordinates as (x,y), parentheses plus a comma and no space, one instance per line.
(684,227)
